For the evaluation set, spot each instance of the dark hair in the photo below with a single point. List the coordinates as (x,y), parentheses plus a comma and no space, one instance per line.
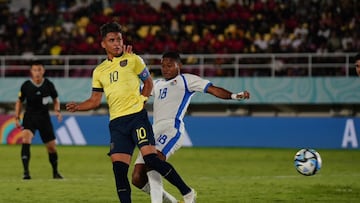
(357,57)
(109,27)
(36,62)
(173,55)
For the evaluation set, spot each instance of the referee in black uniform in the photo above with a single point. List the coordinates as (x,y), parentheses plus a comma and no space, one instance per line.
(36,93)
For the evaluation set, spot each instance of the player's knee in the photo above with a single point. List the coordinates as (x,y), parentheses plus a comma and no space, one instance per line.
(151,160)
(51,149)
(139,177)
(137,180)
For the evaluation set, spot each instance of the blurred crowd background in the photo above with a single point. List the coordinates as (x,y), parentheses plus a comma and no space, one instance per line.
(68,27)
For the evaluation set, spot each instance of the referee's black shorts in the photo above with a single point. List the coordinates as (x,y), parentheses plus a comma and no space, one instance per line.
(41,122)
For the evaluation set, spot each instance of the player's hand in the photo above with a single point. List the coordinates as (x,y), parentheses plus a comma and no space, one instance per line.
(58,116)
(71,107)
(127,49)
(17,123)
(241,95)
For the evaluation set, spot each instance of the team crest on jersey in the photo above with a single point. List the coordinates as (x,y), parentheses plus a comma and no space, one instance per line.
(174,82)
(123,63)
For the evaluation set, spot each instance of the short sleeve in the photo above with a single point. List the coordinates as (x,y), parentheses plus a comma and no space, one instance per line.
(196,83)
(139,65)
(96,84)
(53,92)
(21,94)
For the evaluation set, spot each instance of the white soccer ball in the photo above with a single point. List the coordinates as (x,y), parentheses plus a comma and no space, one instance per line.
(307,162)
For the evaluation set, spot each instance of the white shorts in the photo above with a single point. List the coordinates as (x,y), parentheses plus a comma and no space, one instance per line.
(168,139)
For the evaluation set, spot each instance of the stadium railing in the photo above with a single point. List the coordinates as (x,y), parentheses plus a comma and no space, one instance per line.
(212,65)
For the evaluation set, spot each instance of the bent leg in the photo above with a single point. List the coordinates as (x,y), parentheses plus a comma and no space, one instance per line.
(139,177)
(150,181)
(164,168)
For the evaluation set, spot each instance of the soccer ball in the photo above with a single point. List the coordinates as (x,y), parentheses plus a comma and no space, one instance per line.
(307,162)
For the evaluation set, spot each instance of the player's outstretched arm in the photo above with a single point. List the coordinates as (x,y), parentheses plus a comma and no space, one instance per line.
(226,94)
(91,103)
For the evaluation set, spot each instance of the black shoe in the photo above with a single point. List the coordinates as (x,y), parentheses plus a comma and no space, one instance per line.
(57,176)
(26,176)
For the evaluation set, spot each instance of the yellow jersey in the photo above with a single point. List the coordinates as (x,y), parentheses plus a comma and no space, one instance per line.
(119,80)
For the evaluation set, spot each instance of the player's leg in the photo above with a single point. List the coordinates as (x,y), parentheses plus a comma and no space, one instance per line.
(27,136)
(155,182)
(53,158)
(121,162)
(150,182)
(139,178)
(164,168)
(144,137)
(48,137)
(121,149)
(168,140)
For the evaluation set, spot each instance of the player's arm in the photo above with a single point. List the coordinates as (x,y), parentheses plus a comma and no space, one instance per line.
(91,103)
(147,83)
(57,109)
(226,94)
(18,108)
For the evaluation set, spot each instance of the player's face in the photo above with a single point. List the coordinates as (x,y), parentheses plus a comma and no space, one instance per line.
(357,66)
(169,68)
(113,44)
(37,72)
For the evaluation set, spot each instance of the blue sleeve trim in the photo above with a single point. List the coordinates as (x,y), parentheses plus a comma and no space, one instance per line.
(207,86)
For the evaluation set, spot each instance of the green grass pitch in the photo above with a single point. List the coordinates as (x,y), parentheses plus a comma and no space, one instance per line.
(227,175)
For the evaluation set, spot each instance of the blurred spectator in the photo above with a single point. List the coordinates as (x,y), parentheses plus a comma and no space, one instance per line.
(189,26)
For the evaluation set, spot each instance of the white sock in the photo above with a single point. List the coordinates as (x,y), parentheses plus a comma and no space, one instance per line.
(168,198)
(146,188)
(156,186)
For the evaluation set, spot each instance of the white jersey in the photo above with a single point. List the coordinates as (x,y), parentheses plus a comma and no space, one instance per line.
(172,97)
(171,100)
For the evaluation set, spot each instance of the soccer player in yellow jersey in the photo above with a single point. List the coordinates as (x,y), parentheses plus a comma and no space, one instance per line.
(119,77)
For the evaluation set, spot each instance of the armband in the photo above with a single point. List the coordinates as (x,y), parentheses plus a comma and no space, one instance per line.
(144,74)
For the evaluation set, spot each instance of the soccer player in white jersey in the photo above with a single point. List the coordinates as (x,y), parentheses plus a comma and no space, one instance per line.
(172,96)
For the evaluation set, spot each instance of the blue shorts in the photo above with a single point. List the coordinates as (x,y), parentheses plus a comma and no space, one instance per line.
(129,131)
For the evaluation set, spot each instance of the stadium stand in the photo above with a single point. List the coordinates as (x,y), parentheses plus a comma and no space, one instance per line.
(222,38)
(70,27)
(223,26)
